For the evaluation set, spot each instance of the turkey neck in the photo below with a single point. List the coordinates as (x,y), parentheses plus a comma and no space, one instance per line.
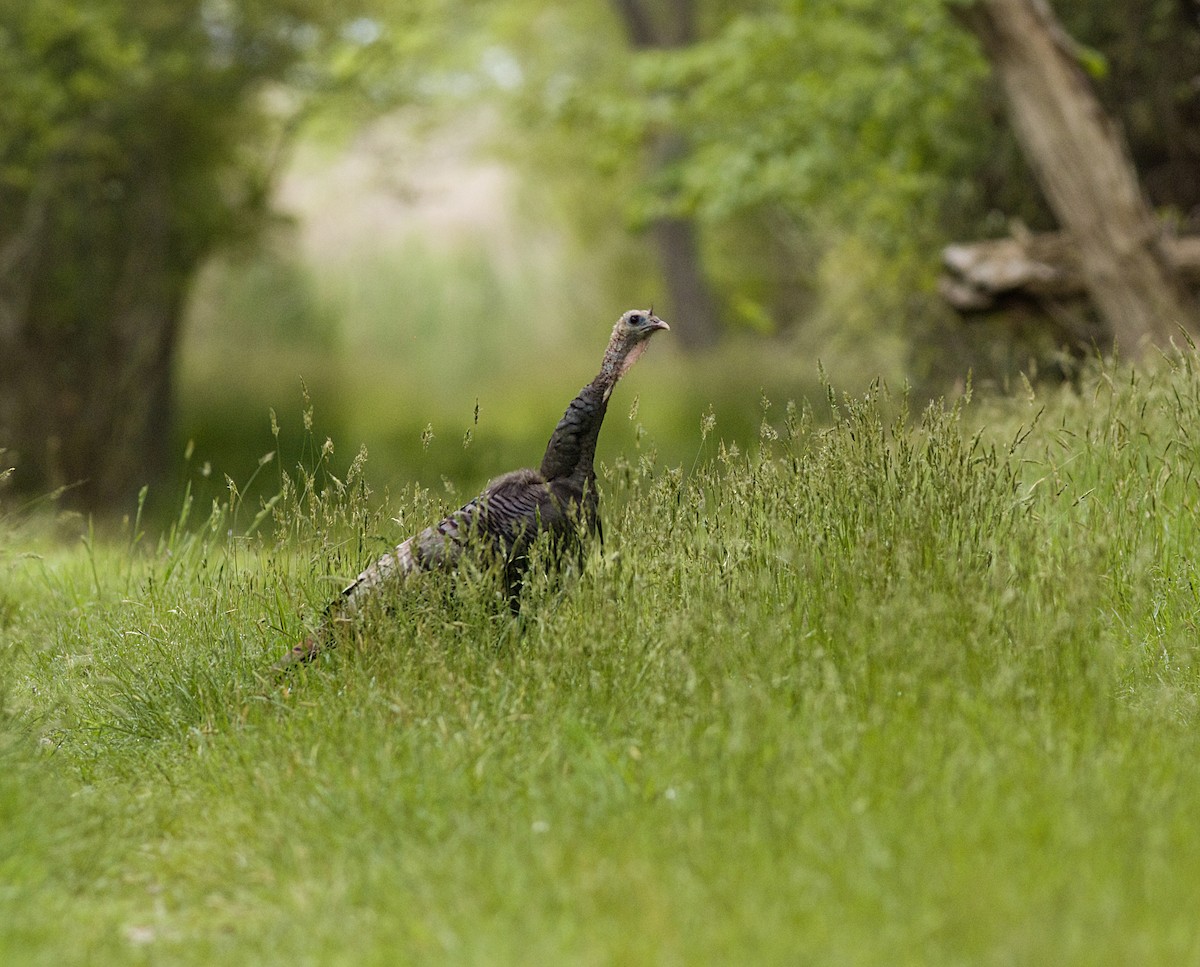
(572,448)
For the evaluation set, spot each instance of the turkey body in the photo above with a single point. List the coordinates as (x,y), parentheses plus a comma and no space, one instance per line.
(557,501)
(498,525)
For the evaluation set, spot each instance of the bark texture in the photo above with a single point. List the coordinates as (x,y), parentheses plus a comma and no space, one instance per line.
(1083,165)
(85,363)
(1037,265)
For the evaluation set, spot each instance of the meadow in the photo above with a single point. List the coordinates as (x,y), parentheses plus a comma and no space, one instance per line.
(884,687)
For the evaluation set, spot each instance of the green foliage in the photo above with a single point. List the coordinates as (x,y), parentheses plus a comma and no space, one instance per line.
(854,114)
(806,129)
(135,141)
(888,688)
(102,95)
(261,304)
(813,127)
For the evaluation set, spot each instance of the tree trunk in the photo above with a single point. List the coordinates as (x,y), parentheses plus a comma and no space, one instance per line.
(691,307)
(85,364)
(1035,266)
(689,296)
(1083,166)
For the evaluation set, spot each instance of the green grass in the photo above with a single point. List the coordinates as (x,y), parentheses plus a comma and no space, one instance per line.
(891,689)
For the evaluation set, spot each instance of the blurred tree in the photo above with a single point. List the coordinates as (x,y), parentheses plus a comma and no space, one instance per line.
(847,113)
(831,142)
(1083,164)
(776,130)
(1142,57)
(591,150)
(667,25)
(135,138)
(832,146)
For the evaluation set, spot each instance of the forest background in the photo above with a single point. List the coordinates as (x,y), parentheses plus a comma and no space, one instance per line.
(421,210)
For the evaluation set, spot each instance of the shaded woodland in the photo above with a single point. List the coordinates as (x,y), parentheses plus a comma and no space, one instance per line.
(786,172)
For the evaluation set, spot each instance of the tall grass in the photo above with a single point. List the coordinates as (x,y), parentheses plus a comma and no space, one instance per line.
(884,687)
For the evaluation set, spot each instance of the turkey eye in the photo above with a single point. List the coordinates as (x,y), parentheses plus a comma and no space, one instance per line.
(635,319)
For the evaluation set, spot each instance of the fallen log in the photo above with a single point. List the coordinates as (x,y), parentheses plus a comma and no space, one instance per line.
(1038,266)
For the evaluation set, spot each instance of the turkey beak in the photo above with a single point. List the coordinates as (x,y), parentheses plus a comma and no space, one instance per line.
(656,324)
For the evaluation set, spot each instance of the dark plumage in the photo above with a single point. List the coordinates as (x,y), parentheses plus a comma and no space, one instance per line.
(558,499)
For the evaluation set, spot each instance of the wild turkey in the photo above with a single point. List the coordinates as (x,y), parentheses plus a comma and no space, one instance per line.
(558,499)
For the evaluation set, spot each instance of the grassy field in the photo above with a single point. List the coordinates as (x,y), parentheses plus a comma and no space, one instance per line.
(891,689)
